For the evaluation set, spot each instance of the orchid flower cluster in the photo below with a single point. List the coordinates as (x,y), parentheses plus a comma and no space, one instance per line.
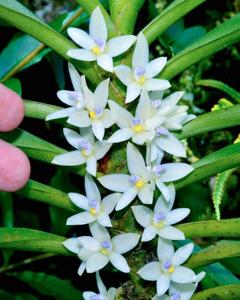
(151,126)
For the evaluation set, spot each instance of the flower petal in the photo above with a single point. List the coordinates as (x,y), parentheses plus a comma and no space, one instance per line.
(81,219)
(107,118)
(175,171)
(145,194)
(81,38)
(97,26)
(163,283)
(151,271)
(141,52)
(177,215)
(91,165)
(149,234)
(182,254)
(73,158)
(73,245)
(124,74)
(171,233)
(104,220)
(155,66)
(70,97)
(136,163)
(125,242)
(133,91)
(109,202)
(81,54)
(165,249)
(98,129)
(170,144)
(99,232)
(143,215)
(84,254)
(79,200)
(101,148)
(169,102)
(122,117)
(118,45)
(89,243)
(144,108)
(119,262)
(120,135)
(91,189)
(105,61)
(157,84)
(80,119)
(63,113)
(88,295)
(143,137)
(162,205)
(101,287)
(72,137)
(183,275)
(115,182)
(81,268)
(126,198)
(96,262)
(75,78)
(111,293)
(101,93)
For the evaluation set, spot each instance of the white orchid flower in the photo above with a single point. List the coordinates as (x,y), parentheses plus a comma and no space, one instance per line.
(103,249)
(72,98)
(164,173)
(168,269)
(94,113)
(140,77)
(138,183)
(160,220)
(95,45)
(94,208)
(88,151)
(104,294)
(141,127)
(179,291)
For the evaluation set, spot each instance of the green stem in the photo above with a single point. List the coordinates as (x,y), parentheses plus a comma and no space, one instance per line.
(226,292)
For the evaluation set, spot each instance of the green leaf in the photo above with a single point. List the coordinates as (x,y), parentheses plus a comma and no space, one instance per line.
(229,292)
(215,40)
(49,285)
(19,296)
(43,193)
(14,84)
(15,14)
(31,240)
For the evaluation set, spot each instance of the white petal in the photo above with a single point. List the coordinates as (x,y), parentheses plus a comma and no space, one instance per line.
(143,137)
(70,97)
(88,295)
(144,108)
(89,243)
(73,245)
(182,254)
(87,134)
(72,137)
(170,144)
(149,234)
(104,220)
(120,135)
(175,171)
(115,182)
(163,297)
(63,113)
(81,219)
(157,84)
(109,202)
(75,77)
(81,38)
(96,262)
(150,271)
(177,215)
(81,268)
(119,262)
(165,249)
(81,54)
(98,129)
(101,148)
(133,91)
(111,293)
(123,243)
(122,117)
(163,189)
(143,215)
(155,66)
(79,200)
(73,158)
(171,233)
(163,283)
(107,118)
(99,232)
(183,275)
(101,93)
(186,290)
(89,96)
(145,194)
(91,189)
(126,198)
(101,287)
(84,254)
(80,119)
(141,52)
(91,165)
(118,45)
(161,203)
(105,61)
(162,206)
(97,26)
(124,74)
(154,122)
(169,102)
(136,163)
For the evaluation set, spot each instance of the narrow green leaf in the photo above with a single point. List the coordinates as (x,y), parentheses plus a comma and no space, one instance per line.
(49,285)
(14,84)
(19,296)
(215,40)
(229,292)
(39,110)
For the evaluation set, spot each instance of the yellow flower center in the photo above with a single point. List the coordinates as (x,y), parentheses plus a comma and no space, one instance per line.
(138,128)
(92,114)
(171,269)
(160,224)
(141,79)
(93,211)
(96,50)
(139,184)
(104,251)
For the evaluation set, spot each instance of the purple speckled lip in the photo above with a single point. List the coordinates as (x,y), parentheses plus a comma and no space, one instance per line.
(106,245)
(85,145)
(99,42)
(133,179)
(159,217)
(136,121)
(175,296)
(139,71)
(97,297)
(93,203)
(159,169)
(161,131)
(167,264)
